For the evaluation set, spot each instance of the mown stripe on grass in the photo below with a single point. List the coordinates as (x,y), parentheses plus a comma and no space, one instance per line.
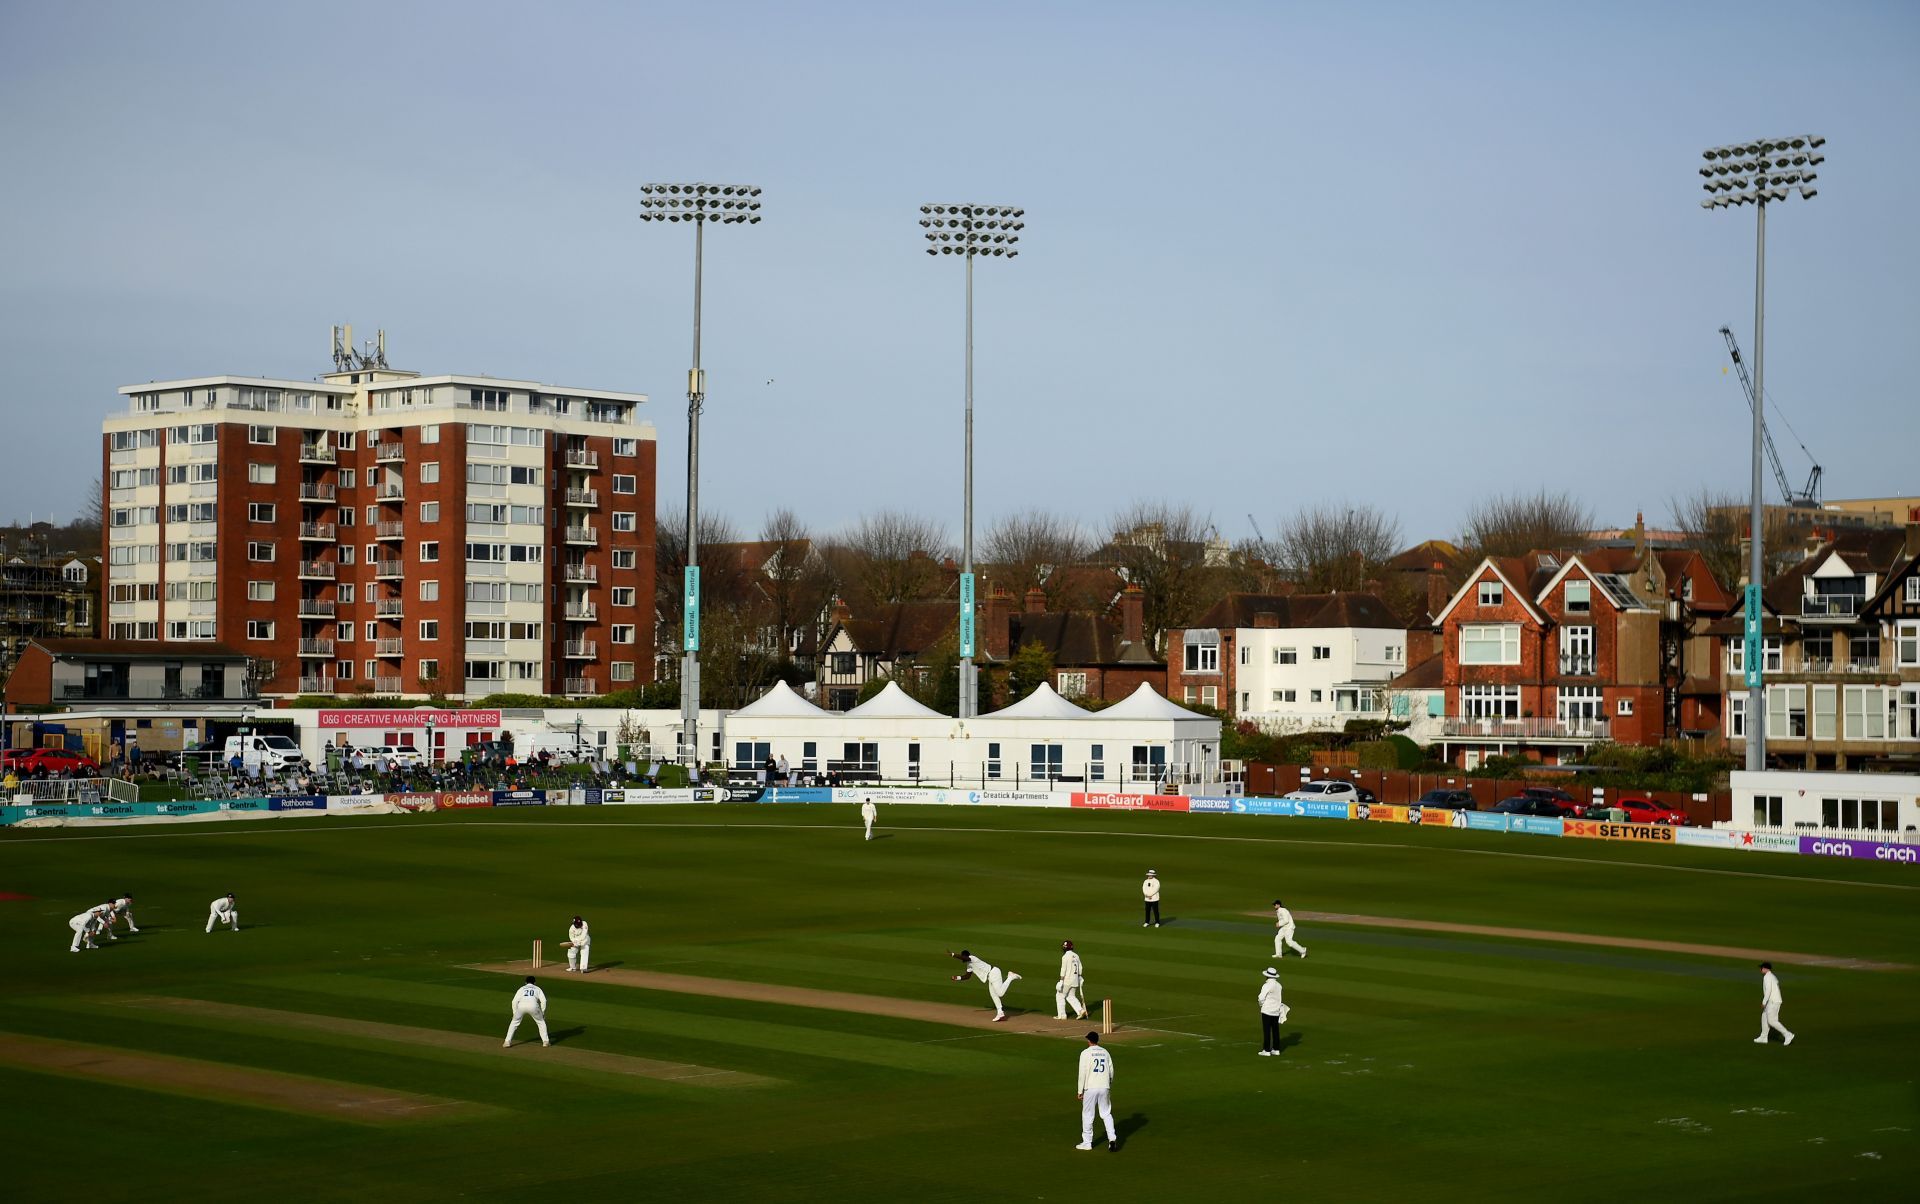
(583,1059)
(277,1090)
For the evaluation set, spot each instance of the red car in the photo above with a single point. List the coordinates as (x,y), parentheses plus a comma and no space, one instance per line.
(1646,811)
(49,760)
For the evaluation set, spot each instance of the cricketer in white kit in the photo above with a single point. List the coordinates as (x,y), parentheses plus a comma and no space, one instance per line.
(869,813)
(223,909)
(85,926)
(528,1000)
(105,912)
(1096,1088)
(1283,931)
(123,910)
(997,980)
(1770,1006)
(1069,992)
(579,945)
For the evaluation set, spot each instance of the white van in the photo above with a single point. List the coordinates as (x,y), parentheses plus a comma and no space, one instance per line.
(274,752)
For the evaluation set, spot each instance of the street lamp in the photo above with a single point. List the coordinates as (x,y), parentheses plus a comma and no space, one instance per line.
(1754,173)
(723,204)
(969,231)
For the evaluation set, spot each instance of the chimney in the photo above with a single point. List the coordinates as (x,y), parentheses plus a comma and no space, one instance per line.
(840,612)
(1913,532)
(1437,593)
(1036,601)
(995,634)
(1640,536)
(1133,615)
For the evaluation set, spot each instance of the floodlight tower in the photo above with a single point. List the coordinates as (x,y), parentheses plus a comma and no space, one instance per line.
(1755,173)
(728,205)
(969,231)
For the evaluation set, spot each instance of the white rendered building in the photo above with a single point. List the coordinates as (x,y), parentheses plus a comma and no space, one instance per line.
(1290,663)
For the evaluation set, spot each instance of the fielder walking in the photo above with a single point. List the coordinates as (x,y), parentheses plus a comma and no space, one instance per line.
(1150,893)
(998,981)
(1283,932)
(528,1000)
(869,813)
(1070,991)
(224,909)
(579,945)
(1273,1013)
(1096,1088)
(1770,1007)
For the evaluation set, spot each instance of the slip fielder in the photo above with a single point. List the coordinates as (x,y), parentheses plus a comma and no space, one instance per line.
(1070,990)
(528,1000)
(579,945)
(224,909)
(997,980)
(85,926)
(123,910)
(1283,932)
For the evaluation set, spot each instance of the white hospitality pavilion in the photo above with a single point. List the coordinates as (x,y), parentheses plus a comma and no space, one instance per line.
(1044,738)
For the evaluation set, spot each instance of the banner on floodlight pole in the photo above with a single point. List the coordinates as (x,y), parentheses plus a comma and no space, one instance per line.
(1753,647)
(690,613)
(966,615)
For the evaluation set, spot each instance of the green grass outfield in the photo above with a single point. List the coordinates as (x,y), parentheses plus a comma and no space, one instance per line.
(1423,1065)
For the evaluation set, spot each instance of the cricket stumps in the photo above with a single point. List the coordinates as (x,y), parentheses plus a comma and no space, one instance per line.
(536,953)
(1106,1017)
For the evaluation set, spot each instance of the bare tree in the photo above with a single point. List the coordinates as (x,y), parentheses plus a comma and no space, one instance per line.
(1164,549)
(1518,523)
(797,579)
(722,581)
(1026,550)
(1334,547)
(895,556)
(1715,525)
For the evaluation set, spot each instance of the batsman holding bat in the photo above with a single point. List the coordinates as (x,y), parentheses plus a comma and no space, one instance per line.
(996,979)
(579,945)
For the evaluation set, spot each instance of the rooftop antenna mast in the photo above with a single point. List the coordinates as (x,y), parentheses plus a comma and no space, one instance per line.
(346,359)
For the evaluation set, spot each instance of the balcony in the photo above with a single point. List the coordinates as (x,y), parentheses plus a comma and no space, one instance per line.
(583,686)
(316,685)
(315,491)
(1842,607)
(582,574)
(386,685)
(388,452)
(583,499)
(1524,731)
(583,612)
(316,608)
(583,459)
(1577,664)
(111,692)
(582,650)
(388,570)
(388,608)
(589,536)
(317,453)
(389,530)
(392,491)
(389,647)
(316,647)
(317,570)
(318,532)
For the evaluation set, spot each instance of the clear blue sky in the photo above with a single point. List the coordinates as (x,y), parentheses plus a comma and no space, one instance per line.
(1276,254)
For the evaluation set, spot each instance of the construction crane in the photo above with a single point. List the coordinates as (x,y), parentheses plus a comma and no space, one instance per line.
(1808,497)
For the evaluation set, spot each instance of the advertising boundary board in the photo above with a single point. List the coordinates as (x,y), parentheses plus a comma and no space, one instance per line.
(1865,850)
(1129,802)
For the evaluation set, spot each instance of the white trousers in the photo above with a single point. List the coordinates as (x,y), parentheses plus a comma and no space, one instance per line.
(232,918)
(1770,1021)
(1283,941)
(1066,995)
(82,931)
(869,829)
(577,956)
(519,1014)
(997,983)
(1096,1100)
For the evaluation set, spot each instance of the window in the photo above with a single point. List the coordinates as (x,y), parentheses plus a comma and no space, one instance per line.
(262,474)
(1906,721)
(262,434)
(623,633)
(1490,702)
(429,591)
(1579,597)
(429,512)
(260,550)
(373,669)
(623,483)
(1322,652)
(430,433)
(259,629)
(346,594)
(623,595)
(1773,656)
(1246,701)
(1492,593)
(1286,656)
(1766,811)
(258,512)
(430,472)
(1202,651)
(623,558)
(260,591)
(347,478)
(343,632)
(1072,685)
(1046,761)
(1209,696)
(1736,716)
(373,630)
(1863,648)
(1576,651)
(487,399)
(1623,706)
(625,447)
(1913,588)
(1285,695)
(1816,651)
(428,670)
(429,551)
(842,663)
(1867,708)
(1490,644)
(1097,763)
(343,670)
(993,760)
(1906,642)
(1786,712)
(347,516)
(484,670)
(623,520)
(346,440)
(1824,704)
(1316,695)
(429,629)
(1246,655)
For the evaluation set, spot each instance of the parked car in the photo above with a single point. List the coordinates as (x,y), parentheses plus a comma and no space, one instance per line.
(1325,792)
(1459,800)
(1646,811)
(1521,804)
(1553,794)
(1363,795)
(49,760)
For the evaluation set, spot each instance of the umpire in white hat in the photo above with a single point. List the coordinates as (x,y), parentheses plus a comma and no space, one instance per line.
(1272,1013)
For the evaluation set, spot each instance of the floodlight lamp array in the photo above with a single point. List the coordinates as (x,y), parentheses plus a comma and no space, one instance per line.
(1754,173)
(988,230)
(727,204)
